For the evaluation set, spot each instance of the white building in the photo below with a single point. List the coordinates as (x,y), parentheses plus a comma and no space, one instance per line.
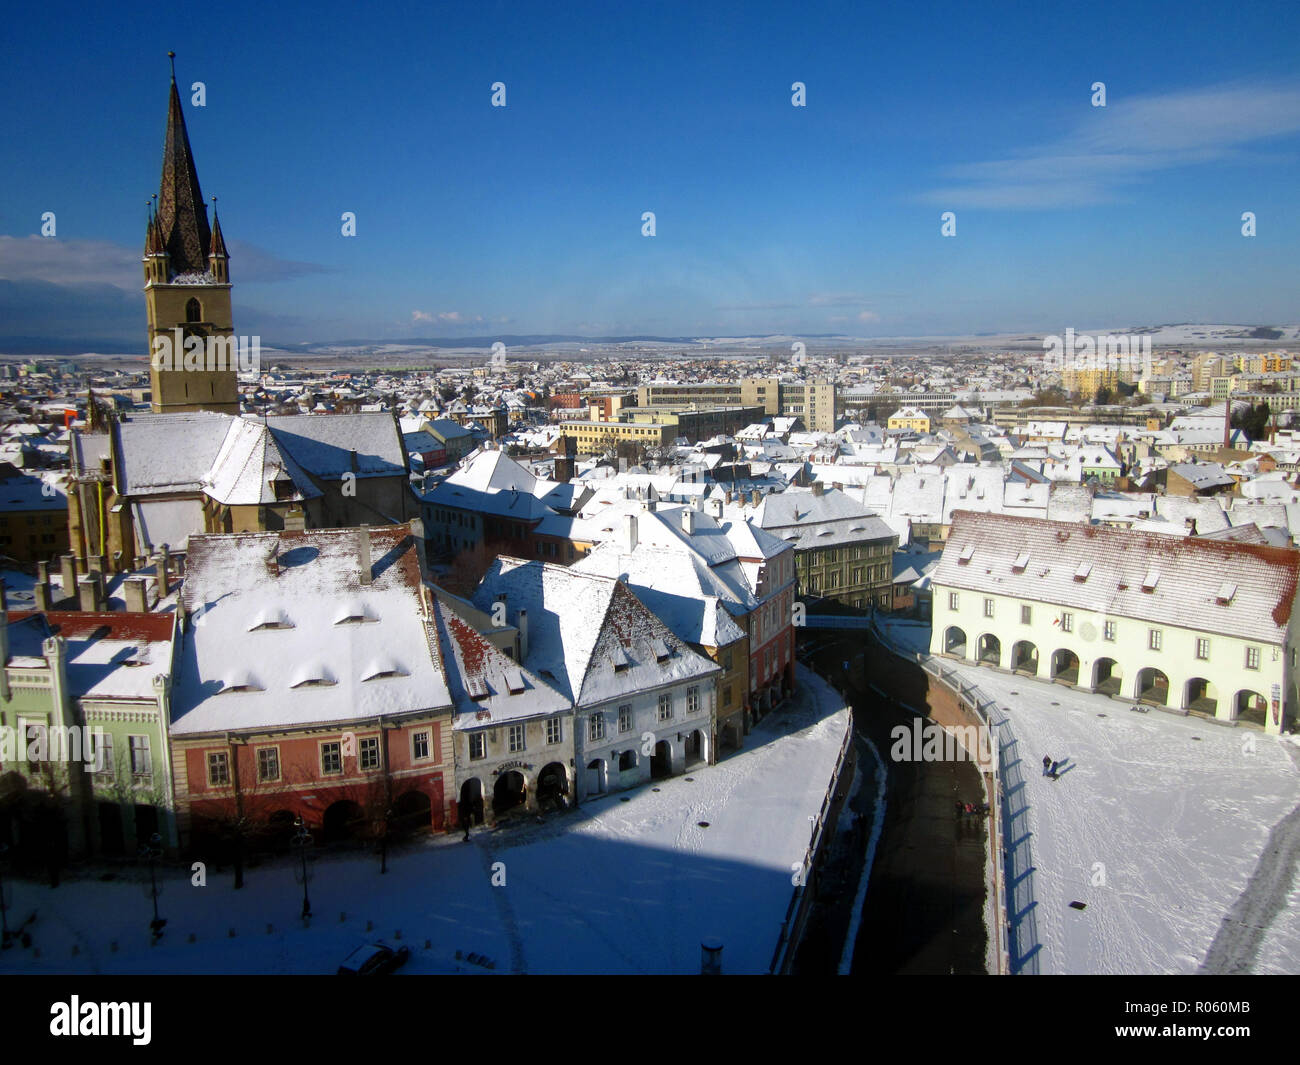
(1195,625)
(644,703)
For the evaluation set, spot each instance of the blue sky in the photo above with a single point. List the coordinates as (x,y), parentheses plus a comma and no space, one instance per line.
(475,220)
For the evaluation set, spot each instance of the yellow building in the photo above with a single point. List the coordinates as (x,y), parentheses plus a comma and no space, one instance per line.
(909,418)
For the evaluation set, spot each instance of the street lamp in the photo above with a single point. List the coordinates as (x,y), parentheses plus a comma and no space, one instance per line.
(302,842)
(151,852)
(4,920)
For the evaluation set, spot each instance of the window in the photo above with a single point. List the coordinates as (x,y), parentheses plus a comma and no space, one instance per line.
(692,700)
(1067,621)
(218,769)
(1026,614)
(625,718)
(420,745)
(1202,648)
(1155,639)
(1108,631)
(627,760)
(988,608)
(368,752)
(1252,658)
(477,745)
(726,659)
(726,696)
(952,600)
(665,707)
(331,758)
(141,763)
(516,738)
(268,763)
(596,727)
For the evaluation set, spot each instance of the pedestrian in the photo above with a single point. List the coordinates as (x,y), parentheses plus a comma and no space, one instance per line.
(1047,764)
(1053,771)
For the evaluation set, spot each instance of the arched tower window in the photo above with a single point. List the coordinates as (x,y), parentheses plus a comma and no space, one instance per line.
(193,312)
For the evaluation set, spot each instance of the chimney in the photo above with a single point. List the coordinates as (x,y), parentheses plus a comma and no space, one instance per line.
(1191,526)
(363,555)
(755,497)
(417,534)
(133,591)
(818,488)
(88,592)
(68,575)
(523,636)
(688,521)
(629,541)
(715,509)
(42,595)
(164,570)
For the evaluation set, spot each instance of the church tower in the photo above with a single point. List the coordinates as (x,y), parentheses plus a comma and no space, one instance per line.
(193,360)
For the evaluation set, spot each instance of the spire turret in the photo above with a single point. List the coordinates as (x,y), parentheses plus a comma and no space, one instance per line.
(182,220)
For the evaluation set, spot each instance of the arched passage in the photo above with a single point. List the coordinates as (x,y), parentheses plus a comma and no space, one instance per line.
(1024,658)
(471,802)
(954,641)
(1201,696)
(1107,677)
(1065,666)
(412,812)
(661,762)
(343,820)
(1251,707)
(990,650)
(511,790)
(696,748)
(1152,687)
(552,786)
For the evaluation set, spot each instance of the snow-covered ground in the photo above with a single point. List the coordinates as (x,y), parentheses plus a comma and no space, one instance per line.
(1162,826)
(615,887)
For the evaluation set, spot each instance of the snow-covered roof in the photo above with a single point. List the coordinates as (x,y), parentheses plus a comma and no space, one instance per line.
(589,636)
(265,621)
(982,550)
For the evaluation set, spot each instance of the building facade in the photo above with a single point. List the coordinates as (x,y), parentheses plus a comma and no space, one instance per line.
(1192,625)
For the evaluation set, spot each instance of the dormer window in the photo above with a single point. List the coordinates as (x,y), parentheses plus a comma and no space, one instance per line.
(1081,574)
(1226,593)
(1150,581)
(967,553)
(621,661)
(477,688)
(312,675)
(352,613)
(1020,563)
(270,618)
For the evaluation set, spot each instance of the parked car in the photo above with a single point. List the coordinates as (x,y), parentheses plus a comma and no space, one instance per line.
(374,959)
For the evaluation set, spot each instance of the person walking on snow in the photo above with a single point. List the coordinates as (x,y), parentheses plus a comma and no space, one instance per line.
(1047,764)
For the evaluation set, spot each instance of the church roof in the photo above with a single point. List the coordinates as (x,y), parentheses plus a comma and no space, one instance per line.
(182,217)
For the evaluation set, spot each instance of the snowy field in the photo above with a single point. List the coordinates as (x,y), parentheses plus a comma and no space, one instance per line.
(1163,826)
(615,887)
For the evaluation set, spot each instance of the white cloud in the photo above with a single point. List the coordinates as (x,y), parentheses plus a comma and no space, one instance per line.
(1120,144)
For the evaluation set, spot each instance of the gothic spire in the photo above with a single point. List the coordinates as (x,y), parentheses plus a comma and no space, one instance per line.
(182,217)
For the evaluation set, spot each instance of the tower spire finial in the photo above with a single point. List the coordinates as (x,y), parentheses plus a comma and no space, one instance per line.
(172,57)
